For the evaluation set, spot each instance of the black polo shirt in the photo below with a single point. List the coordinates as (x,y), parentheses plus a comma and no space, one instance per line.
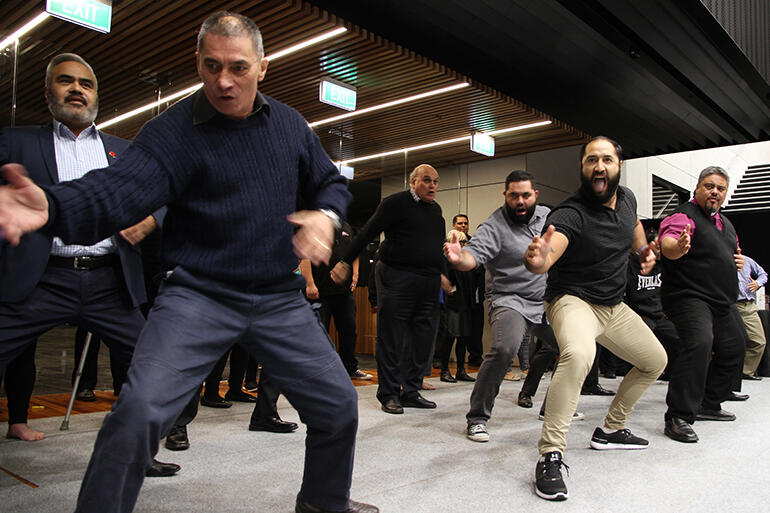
(593,267)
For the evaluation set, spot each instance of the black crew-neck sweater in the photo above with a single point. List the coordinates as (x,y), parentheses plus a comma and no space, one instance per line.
(414,234)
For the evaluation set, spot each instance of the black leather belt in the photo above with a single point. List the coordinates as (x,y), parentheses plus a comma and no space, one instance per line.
(83,262)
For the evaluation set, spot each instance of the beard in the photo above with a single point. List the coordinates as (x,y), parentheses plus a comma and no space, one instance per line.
(68,116)
(520,218)
(586,185)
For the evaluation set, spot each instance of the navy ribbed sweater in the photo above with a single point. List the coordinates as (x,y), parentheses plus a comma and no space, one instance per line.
(228,185)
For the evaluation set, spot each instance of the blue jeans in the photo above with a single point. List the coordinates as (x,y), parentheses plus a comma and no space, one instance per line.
(193,322)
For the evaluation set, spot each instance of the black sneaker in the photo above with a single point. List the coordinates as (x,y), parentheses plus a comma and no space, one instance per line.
(620,439)
(548,481)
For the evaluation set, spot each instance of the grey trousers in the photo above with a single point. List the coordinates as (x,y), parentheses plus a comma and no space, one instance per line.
(508,330)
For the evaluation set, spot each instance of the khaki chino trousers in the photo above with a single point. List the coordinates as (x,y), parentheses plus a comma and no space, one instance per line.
(577,325)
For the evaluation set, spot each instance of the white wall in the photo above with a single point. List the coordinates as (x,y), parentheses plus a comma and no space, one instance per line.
(476,189)
(682,169)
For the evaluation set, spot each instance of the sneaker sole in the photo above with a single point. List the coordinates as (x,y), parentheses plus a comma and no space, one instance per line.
(603,446)
(560,496)
(477,438)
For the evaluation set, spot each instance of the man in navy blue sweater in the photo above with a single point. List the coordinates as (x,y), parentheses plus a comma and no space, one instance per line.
(229,163)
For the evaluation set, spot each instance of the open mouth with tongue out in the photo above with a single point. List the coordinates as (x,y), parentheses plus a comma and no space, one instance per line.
(599,184)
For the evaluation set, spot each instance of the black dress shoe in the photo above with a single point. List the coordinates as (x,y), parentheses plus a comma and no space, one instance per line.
(680,430)
(461,375)
(239,396)
(718,415)
(525,400)
(736,396)
(751,377)
(273,425)
(160,469)
(215,402)
(353,507)
(447,377)
(392,406)
(177,439)
(86,395)
(416,401)
(596,390)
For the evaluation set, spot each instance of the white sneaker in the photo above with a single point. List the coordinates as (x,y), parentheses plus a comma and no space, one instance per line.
(578,415)
(477,433)
(359,374)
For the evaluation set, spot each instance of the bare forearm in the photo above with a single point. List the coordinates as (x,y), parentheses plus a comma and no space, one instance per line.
(671,249)
(466,263)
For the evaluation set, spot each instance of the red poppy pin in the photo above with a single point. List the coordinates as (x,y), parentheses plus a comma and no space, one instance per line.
(112,154)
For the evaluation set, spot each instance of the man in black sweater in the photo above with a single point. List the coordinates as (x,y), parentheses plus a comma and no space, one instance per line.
(408,276)
(229,163)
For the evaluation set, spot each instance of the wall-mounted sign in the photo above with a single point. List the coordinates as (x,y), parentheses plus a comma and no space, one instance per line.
(94,14)
(484,144)
(337,93)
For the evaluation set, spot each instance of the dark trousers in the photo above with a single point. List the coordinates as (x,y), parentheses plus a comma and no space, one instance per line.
(239,359)
(545,352)
(407,302)
(475,343)
(265,408)
(200,319)
(342,307)
(90,374)
(95,299)
(696,378)
(19,381)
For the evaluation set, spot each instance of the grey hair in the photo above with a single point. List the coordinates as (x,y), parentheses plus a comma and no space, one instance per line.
(65,57)
(713,170)
(228,24)
(416,171)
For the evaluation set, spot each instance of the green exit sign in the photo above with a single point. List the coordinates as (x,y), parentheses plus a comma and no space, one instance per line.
(94,14)
(338,94)
(484,144)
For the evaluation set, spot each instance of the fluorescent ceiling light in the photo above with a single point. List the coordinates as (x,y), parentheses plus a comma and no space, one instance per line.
(149,106)
(23,30)
(389,104)
(441,143)
(305,44)
(192,89)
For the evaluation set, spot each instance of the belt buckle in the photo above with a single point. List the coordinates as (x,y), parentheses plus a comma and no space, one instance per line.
(82,262)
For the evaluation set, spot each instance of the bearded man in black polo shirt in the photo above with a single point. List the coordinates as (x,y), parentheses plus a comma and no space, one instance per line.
(408,277)
(585,252)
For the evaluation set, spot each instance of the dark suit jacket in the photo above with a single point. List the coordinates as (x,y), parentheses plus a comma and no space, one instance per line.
(22,266)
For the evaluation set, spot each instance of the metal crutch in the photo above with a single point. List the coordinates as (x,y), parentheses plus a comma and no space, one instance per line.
(65,424)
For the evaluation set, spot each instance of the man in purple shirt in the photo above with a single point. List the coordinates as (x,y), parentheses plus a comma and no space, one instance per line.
(750,279)
(699,291)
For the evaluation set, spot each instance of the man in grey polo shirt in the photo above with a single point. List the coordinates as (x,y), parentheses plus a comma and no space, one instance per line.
(515,295)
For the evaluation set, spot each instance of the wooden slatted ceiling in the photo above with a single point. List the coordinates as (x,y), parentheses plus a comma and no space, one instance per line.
(152,44)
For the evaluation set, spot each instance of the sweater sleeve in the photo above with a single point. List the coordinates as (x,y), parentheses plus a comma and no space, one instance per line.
(105,201)
(373,227)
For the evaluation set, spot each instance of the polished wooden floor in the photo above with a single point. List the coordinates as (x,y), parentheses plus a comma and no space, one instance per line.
(54,363)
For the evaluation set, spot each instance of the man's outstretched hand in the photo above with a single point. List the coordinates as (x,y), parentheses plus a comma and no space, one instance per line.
(23,205)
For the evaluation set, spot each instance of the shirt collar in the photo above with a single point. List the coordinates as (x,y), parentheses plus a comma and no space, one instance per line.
(415,197)
(63,130)
(204,112)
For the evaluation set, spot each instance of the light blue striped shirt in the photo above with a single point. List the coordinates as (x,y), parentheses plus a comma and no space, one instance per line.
(75,156)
